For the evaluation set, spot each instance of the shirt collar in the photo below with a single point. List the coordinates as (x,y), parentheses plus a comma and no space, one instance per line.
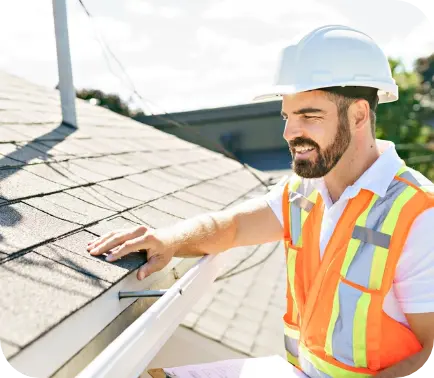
(377,178)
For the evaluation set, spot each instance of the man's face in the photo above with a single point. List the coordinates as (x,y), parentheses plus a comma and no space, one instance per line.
(317,136)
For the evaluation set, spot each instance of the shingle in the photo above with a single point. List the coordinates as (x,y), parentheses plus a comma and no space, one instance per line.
(69,146)
(212,325)
(177,207)
(193,199)
(70,208)
(105,166)
(149,180)
(245,324)
(161,181)
(227,309)
(71,251)
(103,197)
(153,217)
(140,160)
(242,179)
(8,349)
(6,162)
(238,339)
(66,173)
(190,320)
(37,293)
(192,171)
(218,194)
(23,226)
(18,183)
(22,154)
(112,224)
(49,149)
(130,189)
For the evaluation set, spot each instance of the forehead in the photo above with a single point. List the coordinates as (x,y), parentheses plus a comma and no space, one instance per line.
(311,99)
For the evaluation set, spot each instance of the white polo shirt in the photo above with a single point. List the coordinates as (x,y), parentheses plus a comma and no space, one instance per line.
(413,287)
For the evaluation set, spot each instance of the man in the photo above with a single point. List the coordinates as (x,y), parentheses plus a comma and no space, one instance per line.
(355,220)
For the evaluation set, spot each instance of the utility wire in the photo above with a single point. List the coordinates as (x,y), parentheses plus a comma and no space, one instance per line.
(166,118)
(170,120)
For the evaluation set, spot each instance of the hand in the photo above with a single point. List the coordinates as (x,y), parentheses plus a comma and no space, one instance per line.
(159,246)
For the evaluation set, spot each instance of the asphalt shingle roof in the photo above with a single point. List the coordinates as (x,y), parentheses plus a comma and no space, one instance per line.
(60,187)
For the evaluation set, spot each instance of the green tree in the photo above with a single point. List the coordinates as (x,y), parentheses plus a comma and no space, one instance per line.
(109,101)
(425,68)
(402,121)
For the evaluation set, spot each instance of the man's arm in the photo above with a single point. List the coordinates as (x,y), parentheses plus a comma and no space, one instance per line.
(423,327)
(250,223)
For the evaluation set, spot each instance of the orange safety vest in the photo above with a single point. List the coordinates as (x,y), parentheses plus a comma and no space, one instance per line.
(335,325)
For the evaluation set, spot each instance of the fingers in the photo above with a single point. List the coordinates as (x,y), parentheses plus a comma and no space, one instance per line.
(114,239)
(132,245)
(95,243)
(154,264)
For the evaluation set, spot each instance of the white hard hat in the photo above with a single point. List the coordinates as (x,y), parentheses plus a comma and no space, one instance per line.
(333,56)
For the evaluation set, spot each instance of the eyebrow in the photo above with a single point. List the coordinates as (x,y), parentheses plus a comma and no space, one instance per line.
(304,111)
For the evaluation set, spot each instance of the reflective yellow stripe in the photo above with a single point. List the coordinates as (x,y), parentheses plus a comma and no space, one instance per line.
(332,324)
(354,243)
(292,333)
(359,331)
(401,170)
(294,314)
(380,254)
(292,360)
(294,183)
(328,368)
(292,254)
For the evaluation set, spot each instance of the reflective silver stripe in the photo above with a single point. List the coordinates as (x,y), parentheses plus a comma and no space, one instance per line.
(359,270)
(372,237)
(417,179)
(295,223)
(301,201)
(310,370)
(343,334)
(291,345)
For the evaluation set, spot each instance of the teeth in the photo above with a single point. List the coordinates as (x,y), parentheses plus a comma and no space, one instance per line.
(303,149)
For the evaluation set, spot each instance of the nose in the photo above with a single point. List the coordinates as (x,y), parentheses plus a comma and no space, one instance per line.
(292,130)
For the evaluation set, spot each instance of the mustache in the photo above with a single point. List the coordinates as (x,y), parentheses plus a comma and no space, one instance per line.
(300,141)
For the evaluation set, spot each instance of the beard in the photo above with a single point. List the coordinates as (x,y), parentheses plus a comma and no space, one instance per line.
(326,159)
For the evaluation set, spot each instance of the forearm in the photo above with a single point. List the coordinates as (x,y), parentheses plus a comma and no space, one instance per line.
(407,366)
(209,233)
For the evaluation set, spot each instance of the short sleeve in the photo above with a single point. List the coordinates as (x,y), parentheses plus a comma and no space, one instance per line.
(274,198)
(414,277)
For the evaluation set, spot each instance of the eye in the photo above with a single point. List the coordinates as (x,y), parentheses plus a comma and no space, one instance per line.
(310,117)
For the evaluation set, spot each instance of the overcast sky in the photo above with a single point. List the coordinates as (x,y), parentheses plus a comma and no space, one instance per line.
(191,54)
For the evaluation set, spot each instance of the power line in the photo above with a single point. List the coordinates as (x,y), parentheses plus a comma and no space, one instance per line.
(167,118)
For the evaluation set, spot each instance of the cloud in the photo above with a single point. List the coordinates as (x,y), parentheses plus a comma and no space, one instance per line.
(142,7)
(419,42)
(273,11)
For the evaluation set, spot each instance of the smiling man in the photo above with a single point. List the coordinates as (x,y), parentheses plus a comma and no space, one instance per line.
(356,222)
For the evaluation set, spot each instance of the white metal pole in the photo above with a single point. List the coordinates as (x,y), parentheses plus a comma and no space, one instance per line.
(66,85)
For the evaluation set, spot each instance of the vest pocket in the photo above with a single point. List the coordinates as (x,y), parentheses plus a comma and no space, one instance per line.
(354,331)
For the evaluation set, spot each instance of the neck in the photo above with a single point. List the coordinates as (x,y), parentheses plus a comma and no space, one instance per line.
(354,162)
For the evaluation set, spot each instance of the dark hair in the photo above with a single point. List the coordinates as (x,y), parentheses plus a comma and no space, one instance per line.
(345,96)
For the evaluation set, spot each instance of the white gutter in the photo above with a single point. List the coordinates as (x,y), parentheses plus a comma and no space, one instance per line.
(129,354)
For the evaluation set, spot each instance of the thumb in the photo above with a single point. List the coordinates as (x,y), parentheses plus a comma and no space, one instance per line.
(154,264)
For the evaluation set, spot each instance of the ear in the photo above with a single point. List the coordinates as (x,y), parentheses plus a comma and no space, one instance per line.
(359,115)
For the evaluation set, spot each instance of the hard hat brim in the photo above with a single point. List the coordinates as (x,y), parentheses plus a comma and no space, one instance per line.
(387,92)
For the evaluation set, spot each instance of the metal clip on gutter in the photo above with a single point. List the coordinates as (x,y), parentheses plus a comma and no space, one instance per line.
(142,294)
